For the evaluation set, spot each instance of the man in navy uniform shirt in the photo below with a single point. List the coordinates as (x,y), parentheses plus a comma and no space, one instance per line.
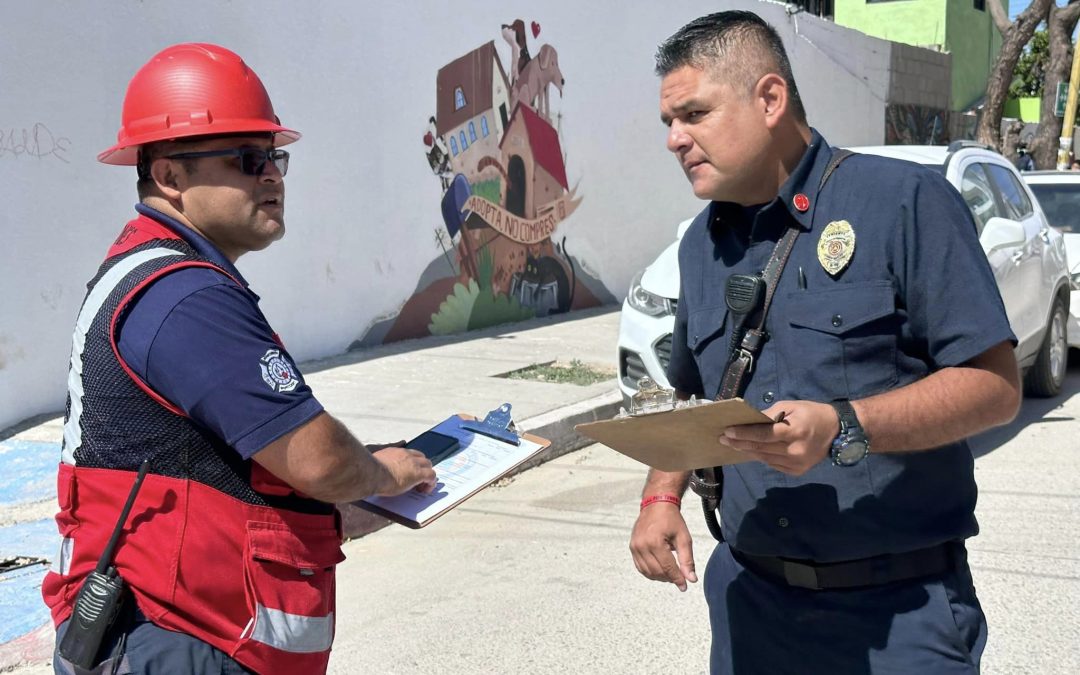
(230,549)
(885,346)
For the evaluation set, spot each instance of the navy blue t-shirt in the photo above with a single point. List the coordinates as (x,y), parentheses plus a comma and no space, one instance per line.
(918,295)
(199,340)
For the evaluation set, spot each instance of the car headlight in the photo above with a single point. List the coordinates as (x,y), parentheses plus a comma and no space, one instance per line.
(646,302)
(1074,282)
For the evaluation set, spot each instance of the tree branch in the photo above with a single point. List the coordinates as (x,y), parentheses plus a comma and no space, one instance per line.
(1043,147)
(1067,14)
(1013,38)
(1001,19)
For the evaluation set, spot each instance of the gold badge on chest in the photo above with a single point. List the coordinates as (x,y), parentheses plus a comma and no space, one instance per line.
(836,246)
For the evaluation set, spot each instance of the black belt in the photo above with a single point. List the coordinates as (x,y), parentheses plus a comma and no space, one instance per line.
(876,571)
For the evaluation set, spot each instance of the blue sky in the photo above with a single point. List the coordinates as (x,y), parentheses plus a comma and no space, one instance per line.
(1017,6)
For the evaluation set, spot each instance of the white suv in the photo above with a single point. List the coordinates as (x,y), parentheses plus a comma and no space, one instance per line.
(1058,193)
(1025,252)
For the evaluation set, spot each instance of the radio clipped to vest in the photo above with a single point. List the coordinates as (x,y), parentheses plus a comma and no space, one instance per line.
(744,293)
(101,597)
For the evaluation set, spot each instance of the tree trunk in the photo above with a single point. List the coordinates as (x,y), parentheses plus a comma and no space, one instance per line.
(1060,24)
(1014,36)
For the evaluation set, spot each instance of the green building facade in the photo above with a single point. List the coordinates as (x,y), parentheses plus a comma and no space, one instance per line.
(962,28)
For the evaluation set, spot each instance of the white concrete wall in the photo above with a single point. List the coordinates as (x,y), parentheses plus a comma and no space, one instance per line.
(358,79)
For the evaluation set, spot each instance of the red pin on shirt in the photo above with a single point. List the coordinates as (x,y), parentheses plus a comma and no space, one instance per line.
(801,202)
(535,29)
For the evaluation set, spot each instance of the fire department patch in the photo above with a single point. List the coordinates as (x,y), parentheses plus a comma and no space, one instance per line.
(277,372)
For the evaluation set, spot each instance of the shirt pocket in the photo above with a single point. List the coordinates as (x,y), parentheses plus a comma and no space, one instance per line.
(841,342)
(706,336)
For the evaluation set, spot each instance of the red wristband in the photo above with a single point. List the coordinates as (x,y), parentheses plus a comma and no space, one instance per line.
(661,498)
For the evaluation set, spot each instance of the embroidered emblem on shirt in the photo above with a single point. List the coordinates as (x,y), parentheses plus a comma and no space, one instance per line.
(836,246)
(277,372)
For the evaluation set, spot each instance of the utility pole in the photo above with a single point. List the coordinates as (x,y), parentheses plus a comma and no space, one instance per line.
(1065,141)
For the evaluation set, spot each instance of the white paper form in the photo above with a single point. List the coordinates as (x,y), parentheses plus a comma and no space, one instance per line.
(481,461)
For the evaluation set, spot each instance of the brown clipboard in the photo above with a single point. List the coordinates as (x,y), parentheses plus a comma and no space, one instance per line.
(401,509)
(677,440)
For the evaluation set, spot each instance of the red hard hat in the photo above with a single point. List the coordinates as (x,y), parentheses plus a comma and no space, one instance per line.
(193,90)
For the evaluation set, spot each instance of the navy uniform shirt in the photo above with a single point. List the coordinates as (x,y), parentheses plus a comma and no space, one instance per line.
(918,295)
(197,338)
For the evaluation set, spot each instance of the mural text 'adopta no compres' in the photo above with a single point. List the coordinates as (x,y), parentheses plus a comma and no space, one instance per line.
(525,231)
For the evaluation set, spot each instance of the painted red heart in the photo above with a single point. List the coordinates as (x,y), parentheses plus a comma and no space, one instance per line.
(428,139)
(535,29)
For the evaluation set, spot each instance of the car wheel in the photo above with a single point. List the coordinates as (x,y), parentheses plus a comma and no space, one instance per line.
(1048,372)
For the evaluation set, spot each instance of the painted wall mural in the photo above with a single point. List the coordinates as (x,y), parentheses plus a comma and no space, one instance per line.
(495,146)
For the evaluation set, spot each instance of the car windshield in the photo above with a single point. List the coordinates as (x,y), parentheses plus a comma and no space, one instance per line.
(1061,203)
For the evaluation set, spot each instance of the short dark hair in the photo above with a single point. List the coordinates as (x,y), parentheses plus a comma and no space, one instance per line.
(146,156)
(739,44)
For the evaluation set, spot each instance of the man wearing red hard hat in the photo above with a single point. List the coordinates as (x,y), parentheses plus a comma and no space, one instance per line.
(226,561)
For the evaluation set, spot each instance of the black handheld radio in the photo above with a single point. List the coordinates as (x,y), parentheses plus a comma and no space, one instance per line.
(100,598)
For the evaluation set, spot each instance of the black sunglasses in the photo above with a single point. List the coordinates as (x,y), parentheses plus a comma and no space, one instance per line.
(252,160)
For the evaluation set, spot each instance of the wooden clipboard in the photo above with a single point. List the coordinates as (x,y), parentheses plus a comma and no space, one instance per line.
(489,450)
(677,440)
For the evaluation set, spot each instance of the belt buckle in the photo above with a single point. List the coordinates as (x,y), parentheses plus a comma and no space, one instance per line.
(744,353)
(803,576)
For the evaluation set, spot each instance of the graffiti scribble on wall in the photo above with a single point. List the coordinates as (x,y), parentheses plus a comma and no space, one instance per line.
(494,144)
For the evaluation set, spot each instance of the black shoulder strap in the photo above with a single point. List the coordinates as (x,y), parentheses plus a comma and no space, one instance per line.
(747,346)
(708,483)
(838,156)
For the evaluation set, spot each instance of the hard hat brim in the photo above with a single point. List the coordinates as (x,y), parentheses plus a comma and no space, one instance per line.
(126,153)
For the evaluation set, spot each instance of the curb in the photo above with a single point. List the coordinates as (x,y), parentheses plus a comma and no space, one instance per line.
(556,425)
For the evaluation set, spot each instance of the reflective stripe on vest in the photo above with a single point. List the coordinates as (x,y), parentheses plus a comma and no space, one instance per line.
(293,632)
(62,564)
(97,297)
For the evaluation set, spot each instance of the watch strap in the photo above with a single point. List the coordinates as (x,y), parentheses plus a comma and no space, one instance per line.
(846,413)
(850,437)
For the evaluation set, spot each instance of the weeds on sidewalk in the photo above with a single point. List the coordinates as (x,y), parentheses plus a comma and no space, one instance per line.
(575,372)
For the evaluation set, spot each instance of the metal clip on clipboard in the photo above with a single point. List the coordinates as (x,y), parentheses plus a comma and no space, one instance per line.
(652,398)
(497,424)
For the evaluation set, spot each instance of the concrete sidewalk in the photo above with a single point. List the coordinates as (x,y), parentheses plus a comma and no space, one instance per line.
(383,394)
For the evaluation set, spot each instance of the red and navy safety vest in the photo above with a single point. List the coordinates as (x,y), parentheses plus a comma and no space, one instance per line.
(215,546)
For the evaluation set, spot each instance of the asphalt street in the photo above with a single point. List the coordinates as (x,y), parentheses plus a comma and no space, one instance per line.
(535,576)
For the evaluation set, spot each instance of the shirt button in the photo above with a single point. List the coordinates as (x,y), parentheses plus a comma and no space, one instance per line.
(768,397)
(783,522)
(837,320)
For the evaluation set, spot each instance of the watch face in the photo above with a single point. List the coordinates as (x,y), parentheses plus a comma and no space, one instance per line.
(850,453)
